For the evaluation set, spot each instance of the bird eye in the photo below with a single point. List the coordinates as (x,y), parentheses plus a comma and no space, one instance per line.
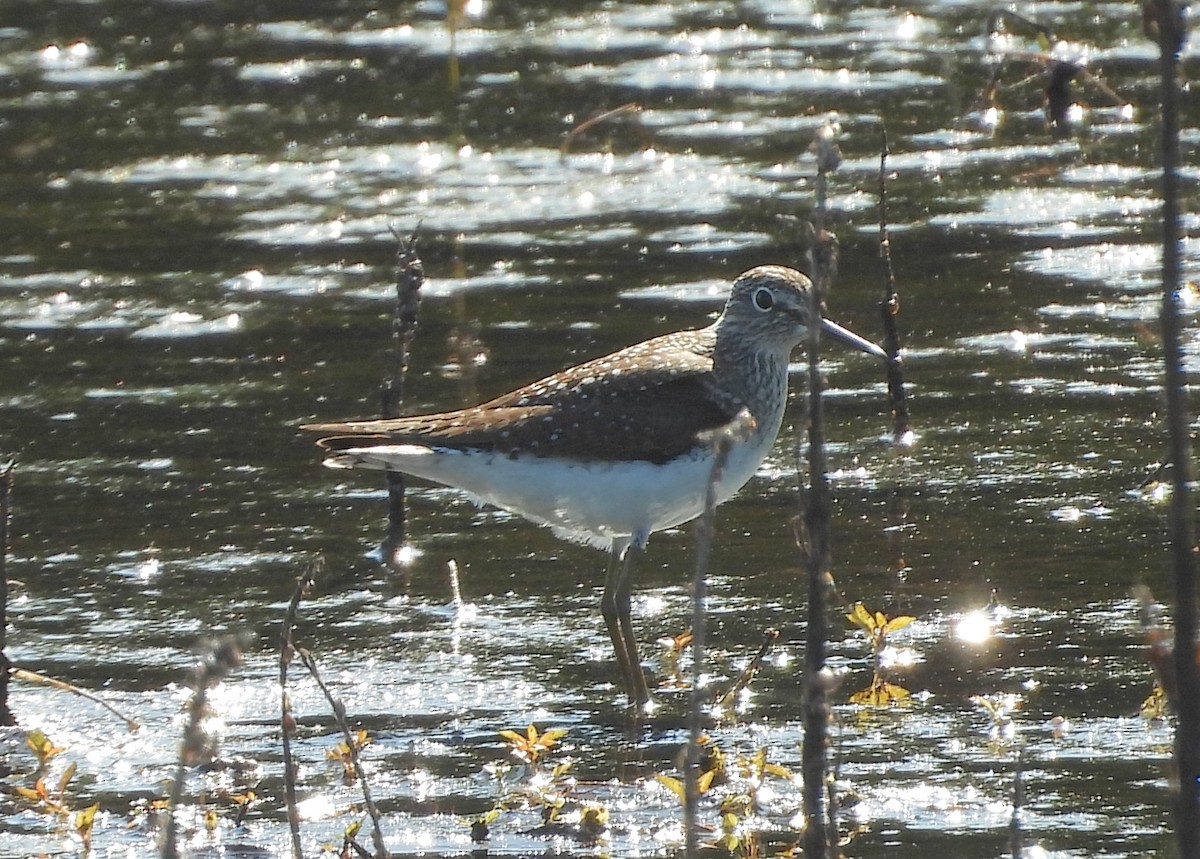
(763,299)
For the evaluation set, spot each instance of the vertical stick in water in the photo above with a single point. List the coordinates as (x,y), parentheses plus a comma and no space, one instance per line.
(889,309)
(410,277)
(1164,20)
(814,758)
(722,445)
(6,485)
(220,658)
(287,721)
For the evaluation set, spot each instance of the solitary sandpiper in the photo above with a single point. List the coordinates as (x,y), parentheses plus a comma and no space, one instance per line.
(612,450)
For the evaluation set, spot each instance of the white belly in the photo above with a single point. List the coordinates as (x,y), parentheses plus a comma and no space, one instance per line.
(599,503)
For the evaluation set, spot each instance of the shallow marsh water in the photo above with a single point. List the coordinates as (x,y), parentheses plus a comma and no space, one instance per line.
(195,254)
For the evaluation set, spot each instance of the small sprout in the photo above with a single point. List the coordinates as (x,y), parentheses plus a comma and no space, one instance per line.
(480,825)
(344,754)
(703,784)
(81,822)
(1155,705)
(42,747)
(42,797)
(552,807)
(728,839)
(878,627)
(679,643)
(737,805)
(350,846)
(593,820)
(211,820)
(532,746)
(880,693)
(242,802)
(65,779)
(757,767)
(675,646)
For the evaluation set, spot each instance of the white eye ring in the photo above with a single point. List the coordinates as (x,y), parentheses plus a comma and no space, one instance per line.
(763,298)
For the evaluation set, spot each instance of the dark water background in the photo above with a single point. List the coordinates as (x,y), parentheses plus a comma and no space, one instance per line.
(195,252)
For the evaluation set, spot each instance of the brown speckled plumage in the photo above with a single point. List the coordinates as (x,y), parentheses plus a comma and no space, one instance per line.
(650,402)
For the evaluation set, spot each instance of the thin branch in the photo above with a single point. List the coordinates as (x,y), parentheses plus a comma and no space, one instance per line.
(889,309)
(6,486)
(222,657)
(1164,23)
(287,722)
(820,835)
(721,444)
(33,677)
(756,662)
(410,277)
(339,714)
(632,108)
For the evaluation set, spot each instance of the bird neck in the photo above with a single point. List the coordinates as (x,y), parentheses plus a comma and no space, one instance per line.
(756,371)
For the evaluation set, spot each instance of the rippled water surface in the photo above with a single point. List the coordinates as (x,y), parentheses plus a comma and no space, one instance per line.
(195,257)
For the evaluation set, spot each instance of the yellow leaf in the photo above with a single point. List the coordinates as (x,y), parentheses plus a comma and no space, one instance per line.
(28,792)
(898,623)
(778,771)
(879,694)
(880,620)
(705,781)
(513,737)
(82,820)
(861,617)
(1154,707)
(549,738)
(673,784)
(68,774)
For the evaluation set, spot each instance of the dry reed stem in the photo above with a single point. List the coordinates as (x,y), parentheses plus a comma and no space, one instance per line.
(722,444)
(6,485)
(339,714)
(632,108)
(889,309)
(814,757)
(756,662)
(287,723)
(410,277)
(33,677)
(222,657)
(1164,22)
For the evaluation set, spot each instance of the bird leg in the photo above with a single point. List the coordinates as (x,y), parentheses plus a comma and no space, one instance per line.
(615,605)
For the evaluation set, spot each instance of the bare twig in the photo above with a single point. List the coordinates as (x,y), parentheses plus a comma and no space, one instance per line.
(410,277)
(820,836)
(632,108)
(287,722)
(33,677)
(729,698)
(722,444)
(6,485)
(339,714)
(222,657)
(1016,847)
(889,309)
(1165,24)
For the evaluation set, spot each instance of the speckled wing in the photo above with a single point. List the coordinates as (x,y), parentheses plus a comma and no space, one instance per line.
(648,402)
